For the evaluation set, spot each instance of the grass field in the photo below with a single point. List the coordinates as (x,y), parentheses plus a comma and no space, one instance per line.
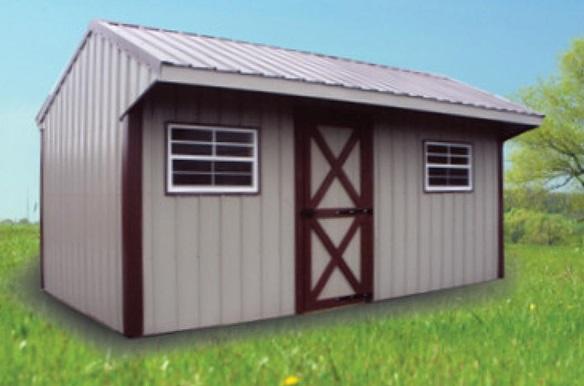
(525,330)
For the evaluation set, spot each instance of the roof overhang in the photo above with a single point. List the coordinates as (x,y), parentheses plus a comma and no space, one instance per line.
(200,77)
(173,73)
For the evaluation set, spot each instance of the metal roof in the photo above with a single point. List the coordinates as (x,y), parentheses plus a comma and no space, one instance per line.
(204,60)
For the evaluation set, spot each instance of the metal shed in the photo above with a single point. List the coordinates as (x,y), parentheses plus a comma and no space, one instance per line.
(191,181)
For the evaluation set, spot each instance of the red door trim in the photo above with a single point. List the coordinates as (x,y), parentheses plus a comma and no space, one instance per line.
(336,257)
(501,210)
(301,157)
(336,169)
(132,279)
(306,299)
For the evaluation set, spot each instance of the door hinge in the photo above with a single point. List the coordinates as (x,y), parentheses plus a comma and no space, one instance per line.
(365,296)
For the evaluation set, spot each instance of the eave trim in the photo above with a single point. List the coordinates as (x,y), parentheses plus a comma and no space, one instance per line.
(238,81)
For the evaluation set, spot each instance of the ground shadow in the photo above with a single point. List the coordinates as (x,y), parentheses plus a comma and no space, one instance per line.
(26,285)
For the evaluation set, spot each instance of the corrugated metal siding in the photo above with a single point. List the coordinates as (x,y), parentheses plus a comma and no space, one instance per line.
(82,179)
(428,241)
(212,260)
(230,56)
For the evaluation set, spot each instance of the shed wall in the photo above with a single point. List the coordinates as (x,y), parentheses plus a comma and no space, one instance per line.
(82,159)
(212,260)
(221,259)
(428,241)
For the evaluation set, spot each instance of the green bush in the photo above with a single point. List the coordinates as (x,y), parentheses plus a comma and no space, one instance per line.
(533,227)
(568,204)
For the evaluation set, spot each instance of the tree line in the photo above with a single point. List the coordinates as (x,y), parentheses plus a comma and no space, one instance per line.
(544,199)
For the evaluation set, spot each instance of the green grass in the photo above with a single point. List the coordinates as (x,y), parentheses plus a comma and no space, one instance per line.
(525,330)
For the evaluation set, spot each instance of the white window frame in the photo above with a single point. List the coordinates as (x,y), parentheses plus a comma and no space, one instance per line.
(211,189)
(427,166)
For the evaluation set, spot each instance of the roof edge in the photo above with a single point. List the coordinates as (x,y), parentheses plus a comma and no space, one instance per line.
(40,117)
(250,82)
(101,28)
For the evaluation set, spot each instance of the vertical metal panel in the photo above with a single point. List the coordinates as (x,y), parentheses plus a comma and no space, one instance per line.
(75,237)
(233,255)
(399,220)
(210,237)
(95,258)
(287,202)
(493,202)
(479,209)
(270,211)
(382,210)
(251,235)
(187,239)
(82,179)
(114,156)
(428,241)
(470,215)
(412,193)
(448,246)
(458,230)
(147,226)
(82,210)
(118,91)
(65,151)
(48,196)
(231,296)
(424,234)
(230,251)
(164,229)
(209,290)
(106,182)
(436,240)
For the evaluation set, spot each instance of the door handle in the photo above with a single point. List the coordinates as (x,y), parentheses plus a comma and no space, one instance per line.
(310,212)
(347,211)
(353,211)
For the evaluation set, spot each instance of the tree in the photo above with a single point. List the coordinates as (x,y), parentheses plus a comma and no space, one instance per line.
(553,155)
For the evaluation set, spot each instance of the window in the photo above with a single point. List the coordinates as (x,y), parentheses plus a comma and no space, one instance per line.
(206,159)
(448,167)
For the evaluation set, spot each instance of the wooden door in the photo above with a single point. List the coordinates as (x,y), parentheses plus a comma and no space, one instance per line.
(334,193)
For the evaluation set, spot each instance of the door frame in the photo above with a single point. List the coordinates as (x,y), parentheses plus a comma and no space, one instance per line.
(306,118)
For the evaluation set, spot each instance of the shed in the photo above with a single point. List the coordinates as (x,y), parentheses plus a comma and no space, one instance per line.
(191,181)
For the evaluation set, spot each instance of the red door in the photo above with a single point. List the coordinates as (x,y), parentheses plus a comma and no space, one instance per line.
(334,223)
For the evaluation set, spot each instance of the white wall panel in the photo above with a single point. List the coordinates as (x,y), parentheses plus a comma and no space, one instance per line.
(221,259)
(82,180)
(428,241)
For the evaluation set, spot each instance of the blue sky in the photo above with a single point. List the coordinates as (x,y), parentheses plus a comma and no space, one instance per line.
(499,46)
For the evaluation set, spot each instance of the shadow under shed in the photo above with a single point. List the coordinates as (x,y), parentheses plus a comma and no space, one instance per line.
(26,285)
